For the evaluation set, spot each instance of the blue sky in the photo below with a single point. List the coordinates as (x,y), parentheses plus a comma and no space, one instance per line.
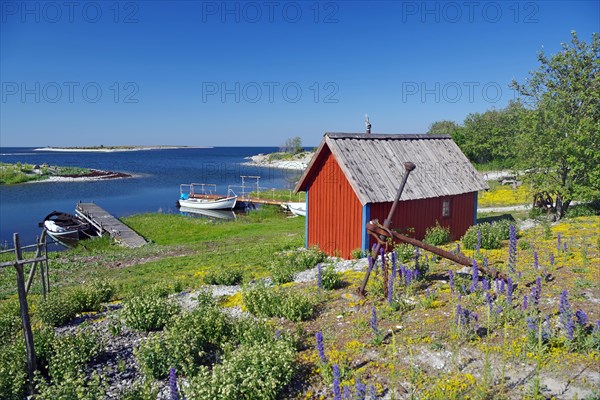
(255,73)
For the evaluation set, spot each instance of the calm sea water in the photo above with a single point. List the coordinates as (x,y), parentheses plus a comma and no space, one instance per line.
(155,186)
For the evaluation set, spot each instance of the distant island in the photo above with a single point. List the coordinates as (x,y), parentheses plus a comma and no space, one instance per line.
(12,174)
(109,149)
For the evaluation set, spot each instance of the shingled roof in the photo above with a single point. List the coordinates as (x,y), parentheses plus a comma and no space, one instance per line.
(374,166)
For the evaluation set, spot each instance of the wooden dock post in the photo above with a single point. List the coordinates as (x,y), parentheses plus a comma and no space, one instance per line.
(31,361)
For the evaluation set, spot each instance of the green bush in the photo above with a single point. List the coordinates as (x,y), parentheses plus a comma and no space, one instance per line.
(357,254)
(57,310)
(502,228)
(264,301)
(301,259)
(491,236)
(404,251)
(330,278)
(148,311)
(190,341)
(70,354)
(10,321)
(60,308)
(259,371)
(224,276)
(73,387)
(153,357)
(282,274)
(13,371)
(437,235)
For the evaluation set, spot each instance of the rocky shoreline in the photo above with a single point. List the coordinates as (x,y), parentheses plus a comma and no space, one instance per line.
(262,160)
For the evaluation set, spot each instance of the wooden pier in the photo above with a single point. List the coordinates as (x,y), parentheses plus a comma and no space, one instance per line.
(104,223)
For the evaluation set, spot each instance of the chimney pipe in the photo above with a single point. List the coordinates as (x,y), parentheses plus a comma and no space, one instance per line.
(368,124)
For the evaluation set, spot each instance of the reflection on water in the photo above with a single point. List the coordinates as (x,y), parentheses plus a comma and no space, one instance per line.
(212,214)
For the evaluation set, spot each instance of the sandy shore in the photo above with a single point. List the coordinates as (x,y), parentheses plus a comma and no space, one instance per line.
(261,160)
(115,149)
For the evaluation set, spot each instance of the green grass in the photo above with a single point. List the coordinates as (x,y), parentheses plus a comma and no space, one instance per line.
(280,194)
(182,249)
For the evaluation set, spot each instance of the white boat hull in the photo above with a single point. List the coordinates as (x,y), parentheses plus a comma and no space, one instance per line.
(297,208)
(227,203)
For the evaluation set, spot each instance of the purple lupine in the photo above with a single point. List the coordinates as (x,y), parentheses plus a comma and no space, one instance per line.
(361,390)
(394,259)
(321,347)
(488,300)
(370,260)
(174,390)
(459,312)
(409,276)
(565,247)
(391,279)
(536,291)
(457,248)
(509,291)
(532,325)
(558,247)
(499,309)
(474,277)
(536,261)
(347,393)
(402,274)
(566,317)
(551,259)
(596,329)
(581,317)
(451,280)
(372,392)
(502,286)
(546,328)
(373,322)
(485,284)
(337,393)
(478,248)
(277,334)
(512,249)
(524,306)
(485,262)
(319,276)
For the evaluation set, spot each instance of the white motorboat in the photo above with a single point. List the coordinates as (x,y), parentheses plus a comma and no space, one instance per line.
(297,208)
(205,201)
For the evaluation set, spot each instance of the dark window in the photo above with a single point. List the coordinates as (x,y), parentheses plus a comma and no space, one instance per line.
(446,208)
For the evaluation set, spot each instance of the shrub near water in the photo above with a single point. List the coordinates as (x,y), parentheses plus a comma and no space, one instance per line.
(148,311)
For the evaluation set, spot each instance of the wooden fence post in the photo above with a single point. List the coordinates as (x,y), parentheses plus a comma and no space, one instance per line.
(31,362)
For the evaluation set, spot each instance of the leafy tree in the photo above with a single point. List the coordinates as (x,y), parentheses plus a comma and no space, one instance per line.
(443,128)
(292,145)
(490,136)
(560,143)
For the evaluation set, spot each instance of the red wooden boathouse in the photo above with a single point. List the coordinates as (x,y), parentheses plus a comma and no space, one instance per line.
(353,178)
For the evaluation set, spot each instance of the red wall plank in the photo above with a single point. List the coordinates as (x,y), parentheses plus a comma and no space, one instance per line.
(421,214)
(335,213)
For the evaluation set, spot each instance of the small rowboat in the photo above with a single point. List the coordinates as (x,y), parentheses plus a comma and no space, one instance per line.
(66,228)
